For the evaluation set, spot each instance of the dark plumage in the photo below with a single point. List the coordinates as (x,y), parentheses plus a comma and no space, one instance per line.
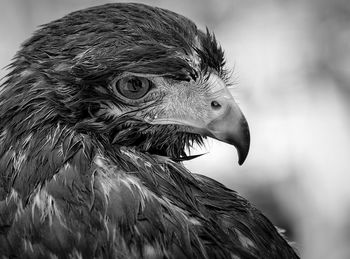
(95,115)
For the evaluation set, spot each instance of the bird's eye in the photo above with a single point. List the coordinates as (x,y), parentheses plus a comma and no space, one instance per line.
(133,87)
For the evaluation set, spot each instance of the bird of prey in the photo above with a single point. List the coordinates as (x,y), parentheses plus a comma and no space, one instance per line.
(97,114)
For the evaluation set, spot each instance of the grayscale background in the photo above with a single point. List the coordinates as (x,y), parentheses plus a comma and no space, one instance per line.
(292,80)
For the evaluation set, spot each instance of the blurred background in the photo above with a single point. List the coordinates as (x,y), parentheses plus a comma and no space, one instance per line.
(291,68)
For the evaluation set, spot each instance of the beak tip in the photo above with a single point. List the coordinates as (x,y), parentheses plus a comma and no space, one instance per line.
(242,155)
(244,144)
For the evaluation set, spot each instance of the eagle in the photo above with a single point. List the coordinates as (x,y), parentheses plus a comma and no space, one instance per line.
(97,114)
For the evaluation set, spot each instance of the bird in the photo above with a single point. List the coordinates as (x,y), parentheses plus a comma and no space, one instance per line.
(98,113)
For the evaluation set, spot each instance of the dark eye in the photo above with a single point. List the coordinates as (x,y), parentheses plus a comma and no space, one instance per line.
(133,87)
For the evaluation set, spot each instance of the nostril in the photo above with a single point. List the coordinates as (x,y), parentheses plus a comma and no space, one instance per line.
(215,105)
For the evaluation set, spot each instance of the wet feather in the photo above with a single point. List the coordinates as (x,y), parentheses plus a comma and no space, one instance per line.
(77,182)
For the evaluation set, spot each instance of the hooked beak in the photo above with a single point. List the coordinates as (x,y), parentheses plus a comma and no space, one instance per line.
(232,128)
(226,122)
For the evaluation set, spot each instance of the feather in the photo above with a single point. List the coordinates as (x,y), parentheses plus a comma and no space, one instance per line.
(78,182)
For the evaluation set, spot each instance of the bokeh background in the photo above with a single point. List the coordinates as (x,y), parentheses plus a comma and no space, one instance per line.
(291,68)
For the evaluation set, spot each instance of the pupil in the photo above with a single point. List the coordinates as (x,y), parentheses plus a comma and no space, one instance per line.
(135,85)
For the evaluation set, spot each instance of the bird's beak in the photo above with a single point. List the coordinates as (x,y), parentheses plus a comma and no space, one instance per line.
(228,124)
(224,120)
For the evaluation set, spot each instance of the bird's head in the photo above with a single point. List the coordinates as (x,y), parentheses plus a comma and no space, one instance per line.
(129,75)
